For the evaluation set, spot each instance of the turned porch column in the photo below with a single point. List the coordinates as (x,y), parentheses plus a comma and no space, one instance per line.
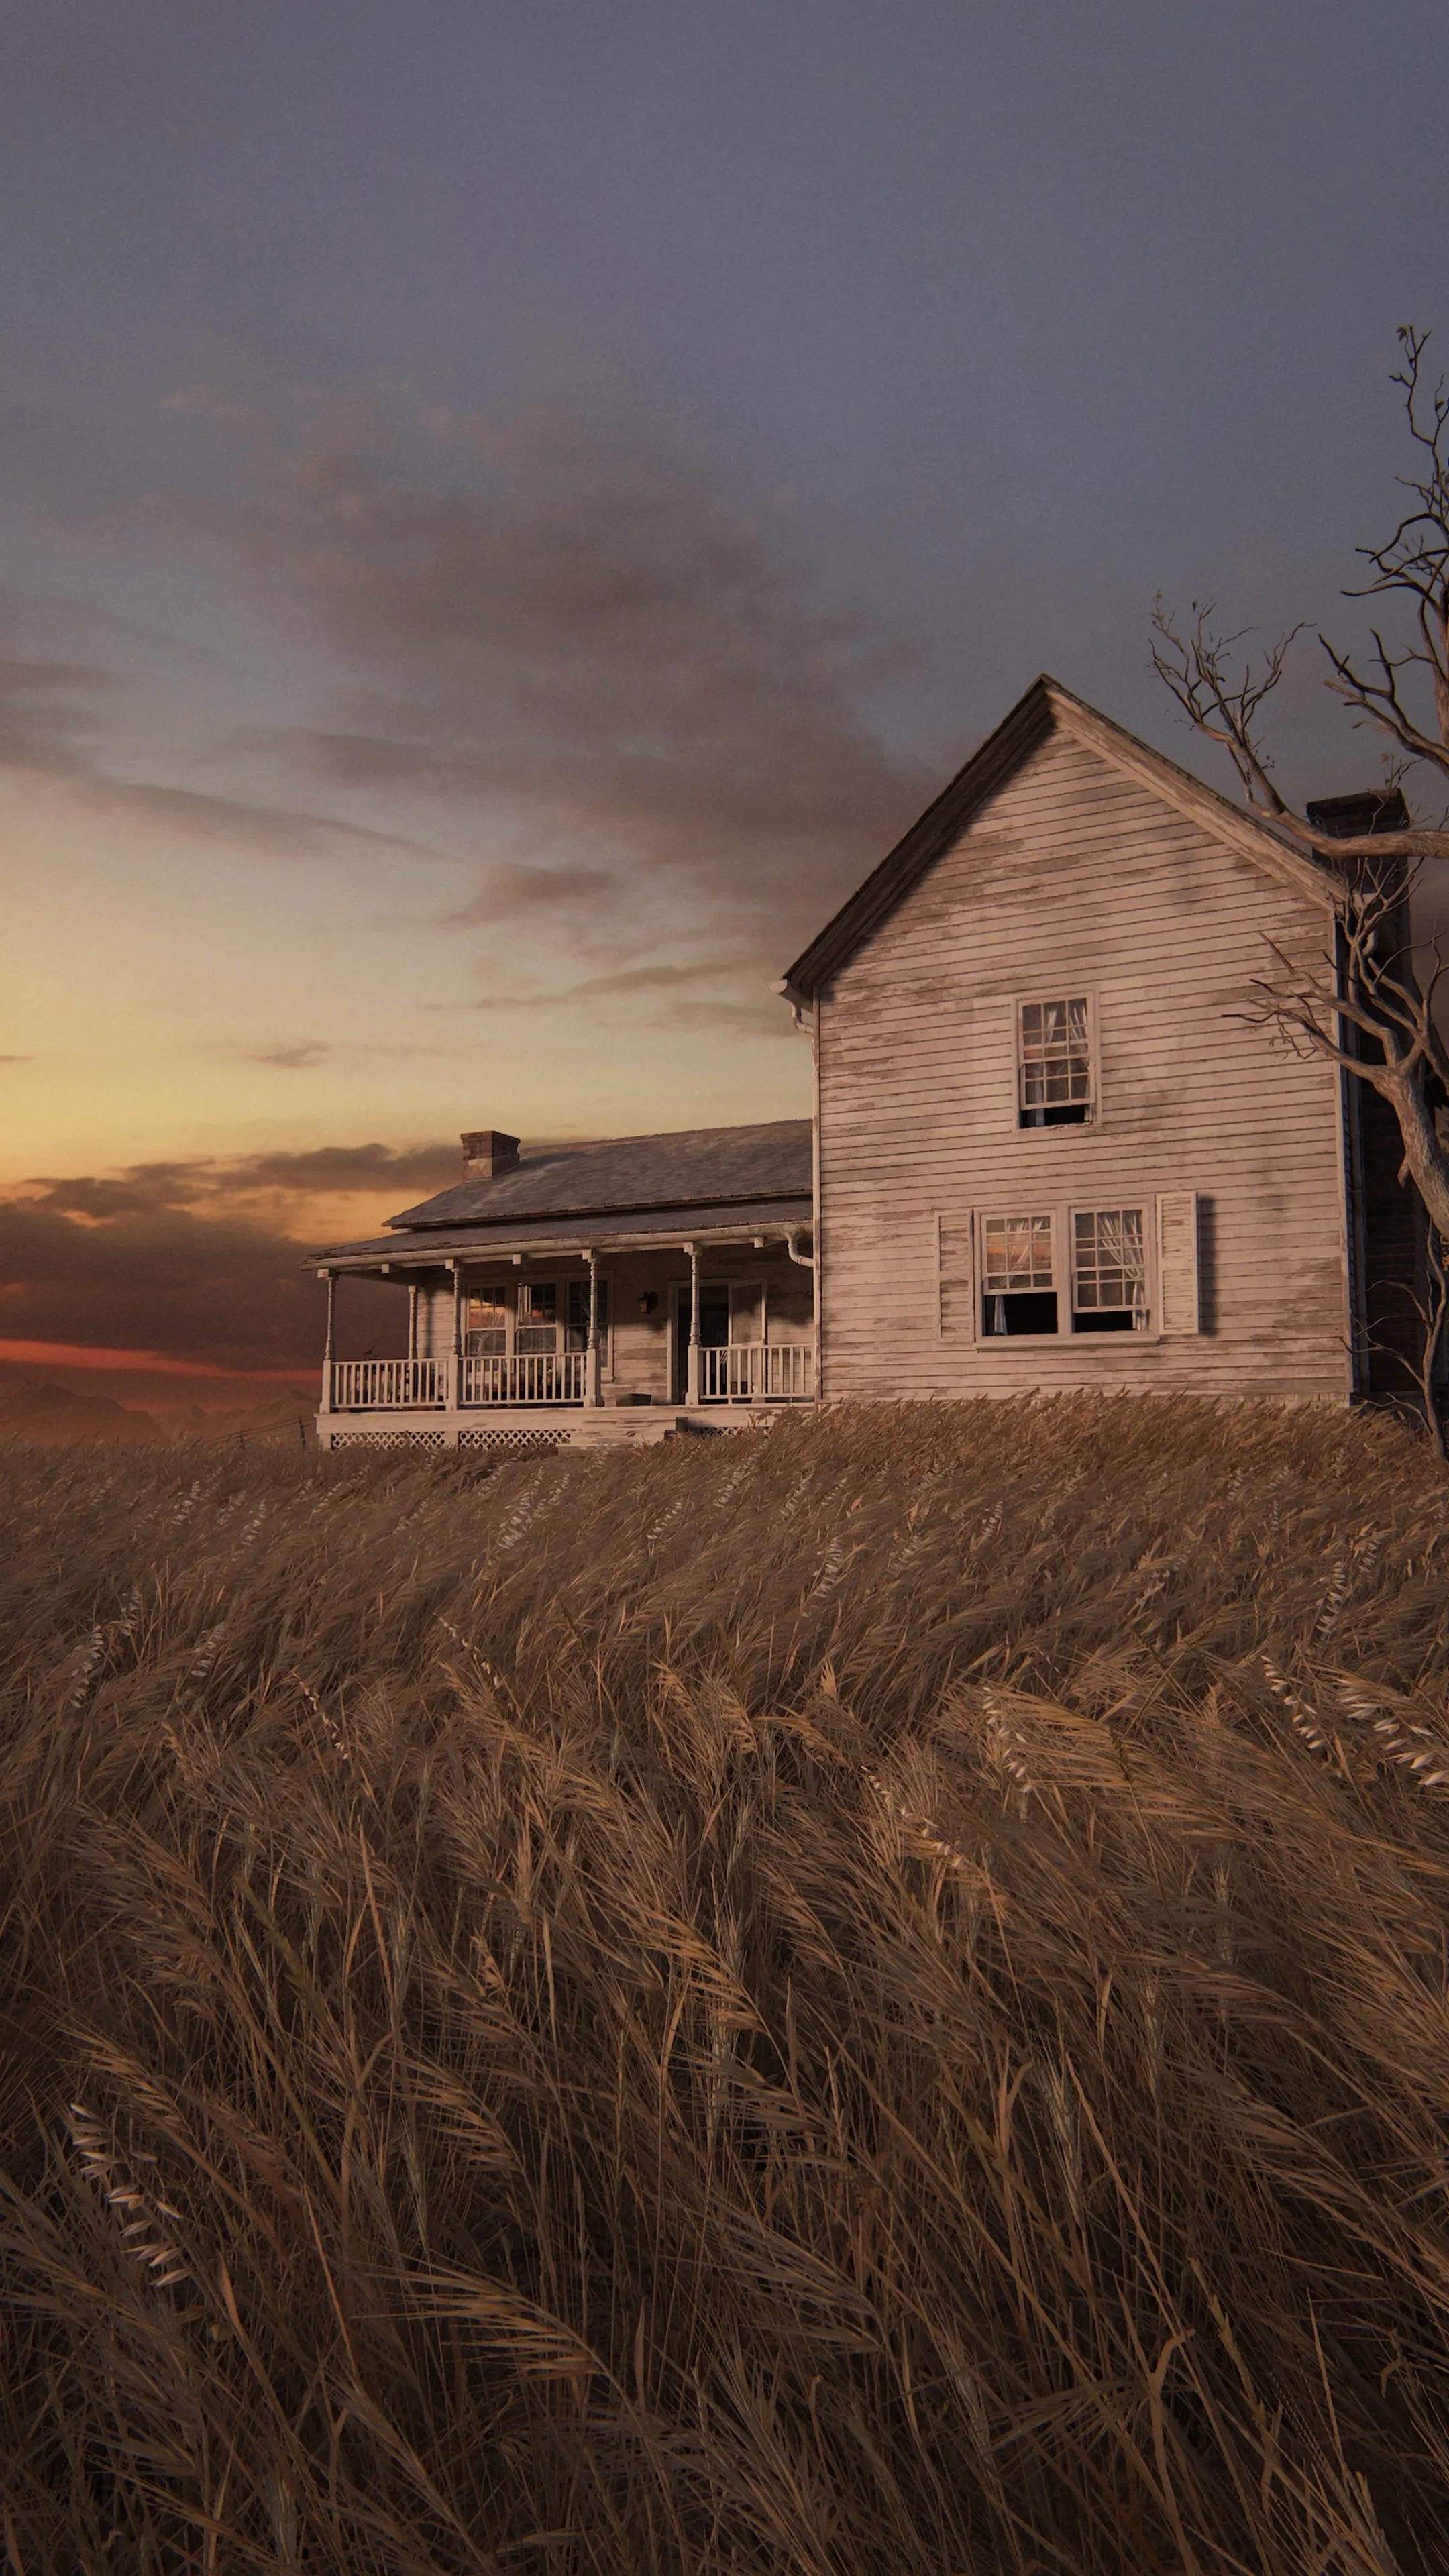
(692,1373)
(331,1278)
(455,1364)
(412,1319)
(593,1388)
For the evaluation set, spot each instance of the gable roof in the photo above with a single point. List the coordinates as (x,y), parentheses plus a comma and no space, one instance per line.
(716,1166)
(1046,708)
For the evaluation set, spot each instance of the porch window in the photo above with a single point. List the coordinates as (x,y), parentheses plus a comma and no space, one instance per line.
(1018,1282)
(576,1319)
(486,1326)
(1109,1271)
(537,1328)
(1054,1063)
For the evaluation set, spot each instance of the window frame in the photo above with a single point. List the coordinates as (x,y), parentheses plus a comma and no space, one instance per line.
(495,1291)
(1037,1000)
(1009,1215)
(1063,1214)
(538,1324)
(611,1328)
(1144,1208)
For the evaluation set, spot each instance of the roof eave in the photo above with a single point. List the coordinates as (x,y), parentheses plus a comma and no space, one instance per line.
(1044,706)
(786,1215)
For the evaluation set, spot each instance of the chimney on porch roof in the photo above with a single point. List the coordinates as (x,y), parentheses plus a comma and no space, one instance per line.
(487,1152)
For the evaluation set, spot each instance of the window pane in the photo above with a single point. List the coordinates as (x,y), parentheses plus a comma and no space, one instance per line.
(1016,1252)
(1055,1054)
(1109,1264)
(576,1311)
(537,1316)
(486,1324)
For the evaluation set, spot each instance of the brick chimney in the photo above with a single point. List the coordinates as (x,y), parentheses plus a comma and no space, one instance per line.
(1352,818)
(486,1153)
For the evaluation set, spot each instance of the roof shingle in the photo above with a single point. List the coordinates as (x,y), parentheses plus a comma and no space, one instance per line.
(715,1166)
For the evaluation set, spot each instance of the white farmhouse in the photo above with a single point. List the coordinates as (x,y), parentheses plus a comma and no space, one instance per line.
(1051,1149)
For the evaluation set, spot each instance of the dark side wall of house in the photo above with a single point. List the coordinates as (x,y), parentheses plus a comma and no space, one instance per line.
(1393,1251)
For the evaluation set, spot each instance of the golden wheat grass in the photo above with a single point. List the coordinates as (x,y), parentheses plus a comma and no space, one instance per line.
(866,1997)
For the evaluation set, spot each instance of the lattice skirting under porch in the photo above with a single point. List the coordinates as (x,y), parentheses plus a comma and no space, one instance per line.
(498,1438)
(388,1440)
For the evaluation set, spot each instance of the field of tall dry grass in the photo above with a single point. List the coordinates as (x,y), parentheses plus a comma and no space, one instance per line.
(870,1997)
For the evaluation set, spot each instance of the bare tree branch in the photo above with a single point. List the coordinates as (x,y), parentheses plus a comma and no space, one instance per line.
(1365,1008)
(1196,668)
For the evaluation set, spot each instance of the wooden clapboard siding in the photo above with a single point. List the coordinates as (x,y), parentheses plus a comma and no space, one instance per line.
(1077,878)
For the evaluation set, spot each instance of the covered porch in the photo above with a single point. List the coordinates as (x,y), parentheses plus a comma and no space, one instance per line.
(519,1342)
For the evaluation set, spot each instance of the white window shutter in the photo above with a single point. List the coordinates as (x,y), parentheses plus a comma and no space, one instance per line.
(1177,1283)
(955,1279)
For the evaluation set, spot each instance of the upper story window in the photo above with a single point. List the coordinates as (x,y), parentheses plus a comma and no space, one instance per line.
(1054,1063)
(537,1328)
(487,1324)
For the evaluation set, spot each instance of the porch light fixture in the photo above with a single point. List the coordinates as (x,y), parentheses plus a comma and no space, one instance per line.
(649,1302)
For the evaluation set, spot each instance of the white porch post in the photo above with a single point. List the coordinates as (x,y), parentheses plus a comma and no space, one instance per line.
(454,1390)
(692,1374)
(331,1278)
(593,1389)
(412,1319)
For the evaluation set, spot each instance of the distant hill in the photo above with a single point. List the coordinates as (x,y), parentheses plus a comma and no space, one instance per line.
(35,1409)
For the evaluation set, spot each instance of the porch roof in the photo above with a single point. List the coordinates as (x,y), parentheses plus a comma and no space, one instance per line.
(635,1230)
(622,1176)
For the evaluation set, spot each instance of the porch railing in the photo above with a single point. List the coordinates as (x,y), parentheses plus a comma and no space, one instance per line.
(757,1373)
(377,1386)
(741,1373)
(528,1377)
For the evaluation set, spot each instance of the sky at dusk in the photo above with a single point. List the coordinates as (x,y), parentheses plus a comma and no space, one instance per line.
(510,506)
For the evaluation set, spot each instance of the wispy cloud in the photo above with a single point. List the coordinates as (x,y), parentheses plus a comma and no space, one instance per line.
(210,1183)
(203,1262)
(510,890)
(558,622)
(56,716)
(661,976)
(47,714)
(293,1059)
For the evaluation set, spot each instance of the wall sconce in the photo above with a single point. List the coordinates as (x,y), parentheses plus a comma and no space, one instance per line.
(649,1302)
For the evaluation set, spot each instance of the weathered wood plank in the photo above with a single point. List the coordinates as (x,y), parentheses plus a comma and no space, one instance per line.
(1077,880)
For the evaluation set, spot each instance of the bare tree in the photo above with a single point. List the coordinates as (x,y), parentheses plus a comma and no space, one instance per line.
(1363,1003)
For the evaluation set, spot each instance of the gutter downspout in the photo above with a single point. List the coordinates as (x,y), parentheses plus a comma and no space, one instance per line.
(797,1011)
